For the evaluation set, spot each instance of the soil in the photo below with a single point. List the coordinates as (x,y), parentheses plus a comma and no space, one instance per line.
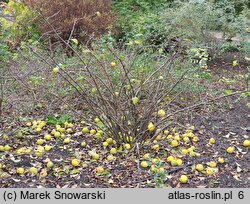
(230,123)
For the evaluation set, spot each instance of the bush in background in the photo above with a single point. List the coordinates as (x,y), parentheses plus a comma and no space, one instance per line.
(139,21)
(171,25)
(17,24)
(80,19)
(195,23)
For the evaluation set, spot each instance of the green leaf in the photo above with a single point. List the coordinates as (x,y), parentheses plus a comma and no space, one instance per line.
(52,120)
(64,118)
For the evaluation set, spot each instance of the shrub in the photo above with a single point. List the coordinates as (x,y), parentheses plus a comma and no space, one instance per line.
(82,19)
(139,21)
(173,25)
(17,23)
(238,5)
(196,22)
(111,85)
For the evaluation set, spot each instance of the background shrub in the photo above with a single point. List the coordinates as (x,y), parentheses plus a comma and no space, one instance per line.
(139,21)
(17,23)
(181,24)
(195,24)
(80,19)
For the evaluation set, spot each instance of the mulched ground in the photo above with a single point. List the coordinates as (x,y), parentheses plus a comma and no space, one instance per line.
(229,123)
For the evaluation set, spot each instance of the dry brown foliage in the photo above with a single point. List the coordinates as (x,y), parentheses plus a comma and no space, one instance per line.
(80,19)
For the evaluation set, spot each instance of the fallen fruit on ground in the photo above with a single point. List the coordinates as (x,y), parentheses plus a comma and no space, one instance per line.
(183,179)
(161,170)
(109,140)
(199,167)
(127,146)
(184,151)
(57,134)
(85,130)
(230,150)
(69,130)
(105,144)
(212,140)
(20,170)
(110,157)
(33,170)
(212,164)
(40,149)
(99,169)
(50,164)
(170,158)
(75,162)
(92,132)
(47,137)
(40,142)
(47,147)
(154,160)
(83,144)
(174,162)
(113,151)
(246,143)
(179,162)
(195,139)
(96,156)
(174,143)
(144,164)
(221,160)
(43,173)
(156,147)
(28,124)
(153,168)
(209,171)
(186,139)
(146,156)
(66,140)
(161,113)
